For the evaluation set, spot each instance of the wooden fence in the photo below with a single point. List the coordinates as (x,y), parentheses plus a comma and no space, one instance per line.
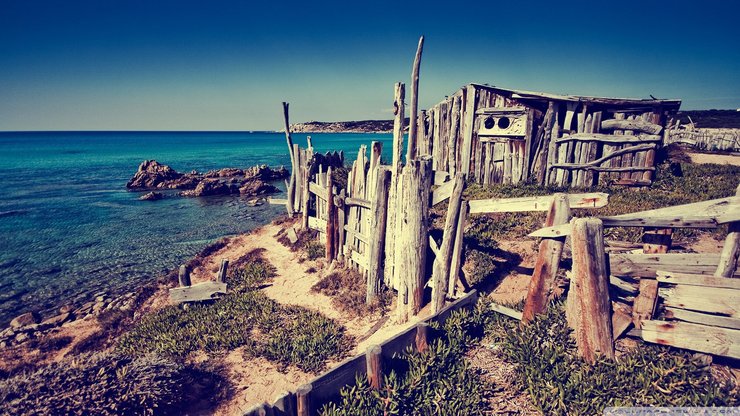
(686,300)
(711,139)
(309,398)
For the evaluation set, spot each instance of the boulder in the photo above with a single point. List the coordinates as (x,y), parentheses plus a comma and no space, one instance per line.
(152,174)
(26,319)
(58,320)
(151,196)
(209,187)
(265,173)
(257,187)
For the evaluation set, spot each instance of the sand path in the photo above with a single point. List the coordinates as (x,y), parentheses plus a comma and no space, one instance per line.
(257,380)
(733,159)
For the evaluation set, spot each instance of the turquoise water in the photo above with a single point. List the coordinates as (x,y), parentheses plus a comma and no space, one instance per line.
(70,228)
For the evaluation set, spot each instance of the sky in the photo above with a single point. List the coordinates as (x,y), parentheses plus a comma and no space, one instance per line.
(228,65)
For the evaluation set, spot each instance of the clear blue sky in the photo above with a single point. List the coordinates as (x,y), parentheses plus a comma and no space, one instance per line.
(227,65)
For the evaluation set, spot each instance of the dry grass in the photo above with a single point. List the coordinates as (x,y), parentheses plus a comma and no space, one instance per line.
(347,289)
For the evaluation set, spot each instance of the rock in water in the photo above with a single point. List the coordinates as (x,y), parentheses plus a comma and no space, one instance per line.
(257,187)
(26,319)
(151,196)
(152,174)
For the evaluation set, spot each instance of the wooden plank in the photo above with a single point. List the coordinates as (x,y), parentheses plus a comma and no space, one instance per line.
(621,318)
(536,203)
(318,190)
(646,265)
(196,292)
(636,125)
(711,340)
(441,266)
(672,222)
(469,118)
(355,234)
(277,201)
(358,202)
(360,259)
(608,138)
(442,192)
(456,262)
(513,313)
(696,280)
(440,177)
(645,302)
(702,318)
(317,224)
(720,301)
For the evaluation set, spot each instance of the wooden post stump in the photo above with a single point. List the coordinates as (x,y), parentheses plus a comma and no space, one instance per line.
(548,261)
(731,249)
(284,404)
(378,218)
(416,182)
(221,276)
(374,361)
(303,400)
(441,266)
(184,276)
(589,311)
(656,240)
(422,337)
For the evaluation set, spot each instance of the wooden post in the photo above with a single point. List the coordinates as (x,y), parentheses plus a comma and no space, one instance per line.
(548,261)
(291,185)
(416,182)
(456,260)
(221,276)
(422,337)
(284,404)
(374,360)
(728,258)
(378,216)
(341,222)
(331,221)
(392,223)
(656,240)
(297,184)
(184,276)
(468,121)
(591,312)
(441,267)
(303,400)
(411,152)
(304,186)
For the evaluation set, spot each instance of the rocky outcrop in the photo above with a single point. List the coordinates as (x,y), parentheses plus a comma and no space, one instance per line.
(151,196)
(26,319)
(226,181)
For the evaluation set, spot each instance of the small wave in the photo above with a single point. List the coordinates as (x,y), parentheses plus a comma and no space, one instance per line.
(13,212)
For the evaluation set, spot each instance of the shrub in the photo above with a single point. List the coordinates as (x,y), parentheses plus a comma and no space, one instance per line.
(561,383)
(348,289)
(315,250)
(287,335)
(108,383)
(436,382)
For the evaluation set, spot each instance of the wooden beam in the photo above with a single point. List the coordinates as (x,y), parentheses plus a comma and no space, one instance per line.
(656,240)
(441,266)
(352,233)
(634,125)
(730,250)
(696,280)
(591,316)
(277,201)
(646,265)
(196,292)
(457,251)
(513,313)
(702,318)
(546,265)
(714,300)
(358,202)
(411,152)
(645,302)
(442,192)
(318,190)
(608,138)
(317,224)
(711,340)
(536,203)
(469,118)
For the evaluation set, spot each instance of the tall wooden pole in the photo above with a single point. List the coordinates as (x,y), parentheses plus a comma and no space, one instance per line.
(415,186)
(548,260)
(411,152)
(441,267)
(331,220)
(291,185)
(378,230)
(392,224)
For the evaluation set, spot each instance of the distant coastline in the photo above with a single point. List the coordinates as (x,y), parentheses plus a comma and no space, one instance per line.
(361,126)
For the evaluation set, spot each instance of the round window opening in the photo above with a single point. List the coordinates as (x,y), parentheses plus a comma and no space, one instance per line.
(489,123)
(504,123)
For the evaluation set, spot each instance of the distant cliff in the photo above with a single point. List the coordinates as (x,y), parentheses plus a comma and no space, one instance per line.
(363,126)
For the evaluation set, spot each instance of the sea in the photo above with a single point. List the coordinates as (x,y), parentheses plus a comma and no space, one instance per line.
(69,228)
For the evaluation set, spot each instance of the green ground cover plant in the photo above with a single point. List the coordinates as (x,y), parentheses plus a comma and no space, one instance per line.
(436,382)
(560,383)
(287,335)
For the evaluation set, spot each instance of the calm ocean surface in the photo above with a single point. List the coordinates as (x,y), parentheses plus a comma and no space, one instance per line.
(70,228)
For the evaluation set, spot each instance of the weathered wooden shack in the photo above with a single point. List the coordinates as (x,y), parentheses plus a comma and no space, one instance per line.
(500,135)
